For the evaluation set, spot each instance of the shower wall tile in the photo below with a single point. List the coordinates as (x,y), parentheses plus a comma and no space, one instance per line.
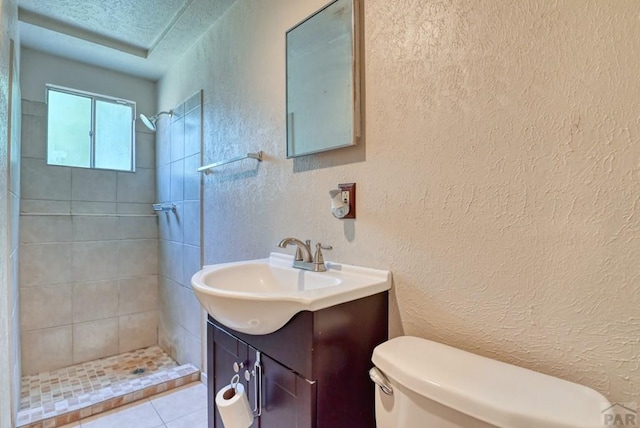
(180,320)
(81,255)
(194,101)
(145,150)
(138,227)
(177,180)
(189,351)
(192,177)
(170,257)
(33,108)
(38,206)
(44,264)
(95,300)
(138,330)
(176,223)
(136,187)
(190,262)
(137,257)
(46,349)
(192,132)
(164,183)
(191,221)
(93,185)
(177,139)
(134,208)
(163,146)
(43,307)
(94,228)
(190,310)
(41,229)
(95,339)
(139,294)
(82,207)
(41,181)
(34,136)
(95,261)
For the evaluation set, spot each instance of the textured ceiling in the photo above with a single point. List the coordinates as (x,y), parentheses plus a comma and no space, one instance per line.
(139,37)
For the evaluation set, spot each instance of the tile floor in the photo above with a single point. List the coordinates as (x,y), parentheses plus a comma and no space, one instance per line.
(185,407)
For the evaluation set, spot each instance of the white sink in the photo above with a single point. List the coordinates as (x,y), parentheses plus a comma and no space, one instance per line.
(261,296)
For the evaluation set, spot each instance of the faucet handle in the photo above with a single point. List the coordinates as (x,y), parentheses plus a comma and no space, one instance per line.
(318,258)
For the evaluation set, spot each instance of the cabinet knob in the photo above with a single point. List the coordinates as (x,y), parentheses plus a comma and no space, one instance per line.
(237,366)
(247,375)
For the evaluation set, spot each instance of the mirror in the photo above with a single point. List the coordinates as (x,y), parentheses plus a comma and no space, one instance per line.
(323,85)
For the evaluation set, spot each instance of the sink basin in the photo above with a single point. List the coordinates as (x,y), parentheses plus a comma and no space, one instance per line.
(261,296)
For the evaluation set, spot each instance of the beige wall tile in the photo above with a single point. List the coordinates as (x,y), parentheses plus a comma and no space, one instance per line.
(95,339)
(177,136)
(138,330)
(190,311)
(145,150)
(95,300)
(193,132)
(191,222)
(190,263)
(46,349)
(40,229)
(84,207)
(192,177)
(94,261)
(137,187)
(138,294)
(93,185)
(38,206)
(138,227)
(138,257)
(43,307)
(41,181)
(34,136)
(44,264)
(94,228)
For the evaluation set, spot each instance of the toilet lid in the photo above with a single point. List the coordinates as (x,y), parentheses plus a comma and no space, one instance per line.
(492,391)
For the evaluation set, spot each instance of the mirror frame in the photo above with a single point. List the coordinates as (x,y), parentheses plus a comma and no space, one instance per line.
(355,99)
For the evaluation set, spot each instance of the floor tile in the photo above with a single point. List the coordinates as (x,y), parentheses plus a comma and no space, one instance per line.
(194,420)
(137,415)
(181,402)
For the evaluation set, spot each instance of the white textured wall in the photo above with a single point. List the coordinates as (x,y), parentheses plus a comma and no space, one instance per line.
(498,180)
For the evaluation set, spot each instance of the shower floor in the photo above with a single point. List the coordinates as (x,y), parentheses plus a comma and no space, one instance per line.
(59,397)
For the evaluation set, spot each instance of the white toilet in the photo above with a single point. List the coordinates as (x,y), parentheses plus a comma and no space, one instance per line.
(429,384)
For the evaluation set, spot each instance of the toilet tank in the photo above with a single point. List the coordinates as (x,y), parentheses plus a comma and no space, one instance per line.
(435,385)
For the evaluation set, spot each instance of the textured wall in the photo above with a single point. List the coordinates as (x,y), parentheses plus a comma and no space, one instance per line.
(498,179)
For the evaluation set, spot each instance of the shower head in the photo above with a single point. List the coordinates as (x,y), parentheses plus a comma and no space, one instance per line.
(150,122)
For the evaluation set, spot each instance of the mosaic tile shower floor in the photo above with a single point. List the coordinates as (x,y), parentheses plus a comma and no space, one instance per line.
(59,397)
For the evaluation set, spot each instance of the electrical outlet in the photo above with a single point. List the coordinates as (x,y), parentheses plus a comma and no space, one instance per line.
(349,197)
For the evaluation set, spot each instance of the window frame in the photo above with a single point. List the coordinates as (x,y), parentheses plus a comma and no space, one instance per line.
(92,133)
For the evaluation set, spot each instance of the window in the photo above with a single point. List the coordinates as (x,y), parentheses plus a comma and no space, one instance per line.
(89,131)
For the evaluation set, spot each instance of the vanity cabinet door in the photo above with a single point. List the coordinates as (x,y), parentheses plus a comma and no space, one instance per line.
(224,351)
(288,400)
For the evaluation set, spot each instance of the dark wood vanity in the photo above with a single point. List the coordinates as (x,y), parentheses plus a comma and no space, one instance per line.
(314,369)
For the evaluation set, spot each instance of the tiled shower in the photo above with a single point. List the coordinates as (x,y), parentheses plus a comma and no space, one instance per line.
(102,274)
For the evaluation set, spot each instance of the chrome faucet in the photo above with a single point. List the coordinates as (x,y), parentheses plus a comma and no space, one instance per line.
(303,259)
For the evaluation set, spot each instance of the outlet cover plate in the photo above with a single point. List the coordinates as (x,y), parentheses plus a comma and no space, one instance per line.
(351,189)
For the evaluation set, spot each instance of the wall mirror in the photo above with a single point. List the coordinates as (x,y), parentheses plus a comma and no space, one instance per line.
(323,84)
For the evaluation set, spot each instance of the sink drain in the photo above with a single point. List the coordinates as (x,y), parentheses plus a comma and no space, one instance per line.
(138,371)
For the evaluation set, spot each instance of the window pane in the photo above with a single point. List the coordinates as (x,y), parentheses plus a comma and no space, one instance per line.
(69,127)
(114,126)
